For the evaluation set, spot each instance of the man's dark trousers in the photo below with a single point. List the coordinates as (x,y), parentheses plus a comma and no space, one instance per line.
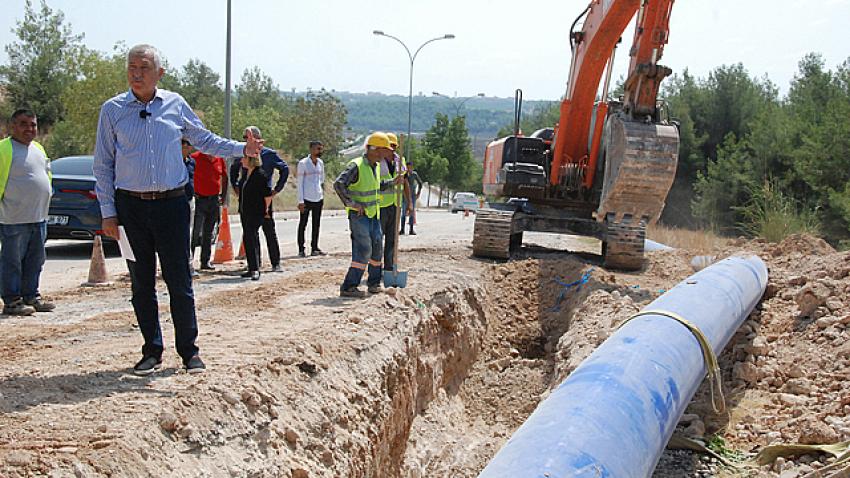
(160,227)
(387,226)
(271,238)
(314,208)
(207,213)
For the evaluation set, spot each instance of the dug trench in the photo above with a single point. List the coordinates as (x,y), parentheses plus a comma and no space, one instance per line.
(425,381)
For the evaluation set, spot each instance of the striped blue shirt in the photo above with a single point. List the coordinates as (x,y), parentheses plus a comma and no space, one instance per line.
(143,154)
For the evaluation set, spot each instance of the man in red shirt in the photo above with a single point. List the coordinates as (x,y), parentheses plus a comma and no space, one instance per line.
(210,191)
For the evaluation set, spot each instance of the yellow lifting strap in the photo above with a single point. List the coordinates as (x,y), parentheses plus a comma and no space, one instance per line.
(711,364)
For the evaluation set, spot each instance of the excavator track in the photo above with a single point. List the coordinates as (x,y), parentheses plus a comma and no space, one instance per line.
(622,246)
(493,235)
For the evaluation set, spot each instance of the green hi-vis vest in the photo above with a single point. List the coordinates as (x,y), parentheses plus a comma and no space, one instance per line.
(6,162)
(392,196)
(366,190)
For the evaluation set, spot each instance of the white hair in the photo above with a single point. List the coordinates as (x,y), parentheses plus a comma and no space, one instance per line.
(254,131)
(147,51)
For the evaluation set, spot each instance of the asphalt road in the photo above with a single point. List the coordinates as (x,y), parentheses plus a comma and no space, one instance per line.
(68,261)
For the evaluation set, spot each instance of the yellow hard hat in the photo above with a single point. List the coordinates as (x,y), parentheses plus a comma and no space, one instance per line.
(378,140)
(393,139)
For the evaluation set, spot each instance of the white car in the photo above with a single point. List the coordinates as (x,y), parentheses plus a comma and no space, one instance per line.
(464,202)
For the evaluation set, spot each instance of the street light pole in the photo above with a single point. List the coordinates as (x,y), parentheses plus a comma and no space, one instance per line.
(456,105)
(227,78)
(412,58)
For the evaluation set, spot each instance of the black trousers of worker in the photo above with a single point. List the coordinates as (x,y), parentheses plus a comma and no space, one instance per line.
(160,227)
(388,227)
(314,208)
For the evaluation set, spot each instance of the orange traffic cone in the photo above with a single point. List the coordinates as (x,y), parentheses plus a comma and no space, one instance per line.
(224,246)
(97,268)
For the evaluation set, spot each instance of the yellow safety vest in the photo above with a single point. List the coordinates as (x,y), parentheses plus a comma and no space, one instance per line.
(390,196)
(365,191)
(6,162)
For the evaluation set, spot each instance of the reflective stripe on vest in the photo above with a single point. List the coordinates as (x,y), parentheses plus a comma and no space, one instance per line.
(393,195)
(6,162)
(365,191)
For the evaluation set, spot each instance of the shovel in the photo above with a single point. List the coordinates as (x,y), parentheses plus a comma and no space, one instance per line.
(395,277)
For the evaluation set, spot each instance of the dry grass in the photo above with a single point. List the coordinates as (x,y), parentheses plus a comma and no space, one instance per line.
(696,241)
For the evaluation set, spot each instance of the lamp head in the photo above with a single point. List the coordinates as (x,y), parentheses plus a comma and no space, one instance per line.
(449,36)
(377,32)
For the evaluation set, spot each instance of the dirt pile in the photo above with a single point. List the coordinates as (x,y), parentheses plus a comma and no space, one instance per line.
(788,367)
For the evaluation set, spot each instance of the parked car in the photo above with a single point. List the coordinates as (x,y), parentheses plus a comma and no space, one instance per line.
(464,202)
(74,211)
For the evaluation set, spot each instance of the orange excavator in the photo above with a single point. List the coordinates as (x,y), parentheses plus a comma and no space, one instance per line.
(605,169)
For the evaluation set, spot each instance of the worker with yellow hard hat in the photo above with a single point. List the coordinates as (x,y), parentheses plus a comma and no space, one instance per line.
(359,187)
(392,167)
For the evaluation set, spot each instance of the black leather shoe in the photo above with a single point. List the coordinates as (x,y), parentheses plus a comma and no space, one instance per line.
(207,267)
(318,252)
(301,253)
(246,274)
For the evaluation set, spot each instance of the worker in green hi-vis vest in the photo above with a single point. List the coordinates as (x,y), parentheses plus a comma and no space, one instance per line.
(25,192)
(359,186)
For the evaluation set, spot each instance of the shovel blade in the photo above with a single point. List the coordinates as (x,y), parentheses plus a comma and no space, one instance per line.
(395,279)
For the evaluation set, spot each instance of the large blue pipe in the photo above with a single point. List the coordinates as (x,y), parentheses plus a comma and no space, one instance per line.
(613,416)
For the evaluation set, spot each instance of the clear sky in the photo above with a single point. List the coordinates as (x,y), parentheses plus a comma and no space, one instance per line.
(500,45)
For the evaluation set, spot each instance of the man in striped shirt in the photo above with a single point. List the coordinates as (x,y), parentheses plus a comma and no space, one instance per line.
(140,185)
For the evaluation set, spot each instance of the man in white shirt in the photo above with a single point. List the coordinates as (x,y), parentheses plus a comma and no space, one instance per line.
(311,183)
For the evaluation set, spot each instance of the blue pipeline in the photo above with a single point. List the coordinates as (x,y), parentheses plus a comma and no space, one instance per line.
(613,416)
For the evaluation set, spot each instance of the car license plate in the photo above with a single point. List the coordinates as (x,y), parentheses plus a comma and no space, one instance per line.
(57,220)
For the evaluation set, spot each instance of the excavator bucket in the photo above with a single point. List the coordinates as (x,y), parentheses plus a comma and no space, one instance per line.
(640,165)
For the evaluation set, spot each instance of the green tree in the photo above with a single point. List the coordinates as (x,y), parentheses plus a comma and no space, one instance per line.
(432,167)
(42,63)
(314,116)
(450,139)
(101,77)
(256,89)
(199,85)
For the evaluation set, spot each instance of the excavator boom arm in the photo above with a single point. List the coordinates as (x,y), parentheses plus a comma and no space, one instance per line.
(605,22)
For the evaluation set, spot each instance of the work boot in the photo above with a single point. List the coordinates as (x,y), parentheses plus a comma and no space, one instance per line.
(375,289)
(352,292)
(17,307)
(40,305)
(301,253)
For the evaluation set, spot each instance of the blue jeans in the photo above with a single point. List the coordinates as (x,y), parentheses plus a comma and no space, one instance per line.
(21,258)
(404,214)
(160,227)
(366,250)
